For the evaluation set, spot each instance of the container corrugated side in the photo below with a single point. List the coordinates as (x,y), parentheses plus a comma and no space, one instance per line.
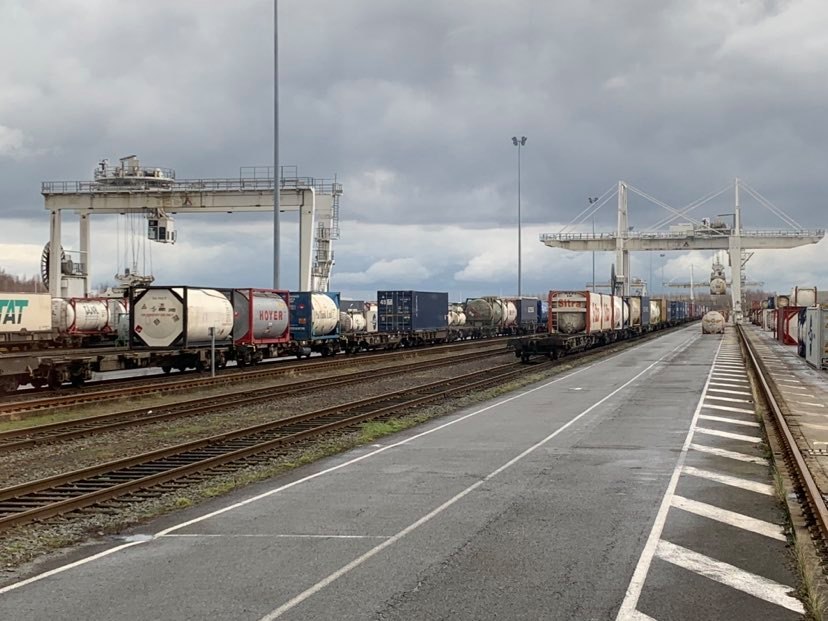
(25,312)
(408,311)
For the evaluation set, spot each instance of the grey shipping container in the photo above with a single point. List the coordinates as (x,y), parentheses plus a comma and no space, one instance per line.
(645,311)
(355,305)
(527,311)
(410,311)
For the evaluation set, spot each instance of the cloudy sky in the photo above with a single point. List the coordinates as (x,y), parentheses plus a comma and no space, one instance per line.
(412,105)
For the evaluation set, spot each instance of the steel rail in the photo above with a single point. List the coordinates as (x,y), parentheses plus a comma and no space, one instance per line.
(139,386)
(64,493)
(800,470)
(65,430)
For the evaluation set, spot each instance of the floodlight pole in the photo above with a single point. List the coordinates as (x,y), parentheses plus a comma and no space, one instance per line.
(519,142)
(277,177)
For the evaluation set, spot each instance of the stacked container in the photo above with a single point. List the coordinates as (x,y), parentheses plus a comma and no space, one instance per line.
(411,311)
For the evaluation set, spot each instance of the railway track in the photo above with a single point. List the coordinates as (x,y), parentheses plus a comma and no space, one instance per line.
(807,490)
(65,493)
(67,430)
(126,389)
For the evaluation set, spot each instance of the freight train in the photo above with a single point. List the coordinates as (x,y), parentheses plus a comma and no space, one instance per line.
(47,341)
(580,320)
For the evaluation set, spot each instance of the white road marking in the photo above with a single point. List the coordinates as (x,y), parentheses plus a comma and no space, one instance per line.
(726,479)
(739,520)
(730,392)
(734,577)
(729,368)
(310,591)
(627,610)
(729,384)
(728,408)
(640,616)
(94,557)
(274,536)
(728,435)
(818,405)
(799,388)
(731,376)
(788,381)
(703,448)
(731,421)
(731,399)
(814,426)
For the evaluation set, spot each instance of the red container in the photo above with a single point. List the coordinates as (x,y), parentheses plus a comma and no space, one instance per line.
(787,325)
(261,316)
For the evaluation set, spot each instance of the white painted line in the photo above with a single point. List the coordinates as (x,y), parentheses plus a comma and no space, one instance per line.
(732,376)
(731,421)
(274,536)
(789,381)
(813,403)
(728,435)
(800,388)
(628,606)
(732,518)
(729,384)
(640,616)
(727,408)
(731,399)
(726,479)
(703,448)
(814,426)
(730,392)
(729,368)
(730,575)
(310,591)
(89,559)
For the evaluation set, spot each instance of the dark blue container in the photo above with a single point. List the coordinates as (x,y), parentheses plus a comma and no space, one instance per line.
(645,311)
(411,311)
(354,305)
(301,316)
(527,312)
(543,312)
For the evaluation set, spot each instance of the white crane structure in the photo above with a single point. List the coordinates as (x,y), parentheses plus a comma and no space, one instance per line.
(155,192)
(690,234)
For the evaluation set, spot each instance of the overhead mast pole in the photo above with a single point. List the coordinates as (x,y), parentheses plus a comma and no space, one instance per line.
(277,177)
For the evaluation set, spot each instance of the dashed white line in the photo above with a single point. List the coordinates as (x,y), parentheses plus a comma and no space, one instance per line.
(729,384)
(730,575)
(730,421)
(728,408)
(728,435)
(726,479)
(739,520)
(703,448)
(731,399)
(731,376)
(818,405)
(729,392)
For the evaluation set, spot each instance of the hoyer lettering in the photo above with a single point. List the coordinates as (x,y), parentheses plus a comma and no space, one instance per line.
(269,315)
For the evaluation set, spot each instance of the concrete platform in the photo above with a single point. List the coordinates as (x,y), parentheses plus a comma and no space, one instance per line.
(620,489)
(802,393)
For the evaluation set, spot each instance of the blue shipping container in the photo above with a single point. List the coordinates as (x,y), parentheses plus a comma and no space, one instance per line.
(301,316)
(410,311)
(527,311)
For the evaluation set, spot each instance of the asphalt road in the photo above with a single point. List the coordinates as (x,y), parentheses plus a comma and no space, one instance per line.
(571,499)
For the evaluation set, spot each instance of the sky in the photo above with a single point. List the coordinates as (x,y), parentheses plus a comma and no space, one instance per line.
(412,105)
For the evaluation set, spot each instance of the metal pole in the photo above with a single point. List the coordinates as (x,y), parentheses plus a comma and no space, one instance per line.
(212,352)
(593,255)
(277,177)
(519,241)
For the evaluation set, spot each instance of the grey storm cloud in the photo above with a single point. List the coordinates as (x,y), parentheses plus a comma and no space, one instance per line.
(412,105)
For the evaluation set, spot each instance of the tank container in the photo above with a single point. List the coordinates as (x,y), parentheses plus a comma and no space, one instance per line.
(261,316)
(782,301)
(371,319)
(352,321)
(634,305)
(815,336)
(718,286)
(655,312)
(408,311)
(803,296)
(787,325)
(25,313)
(575,312)
(713,323)
(314,315)
(179,317)
(81,315)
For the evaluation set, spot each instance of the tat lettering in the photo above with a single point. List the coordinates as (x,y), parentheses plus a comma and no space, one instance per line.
(11,311)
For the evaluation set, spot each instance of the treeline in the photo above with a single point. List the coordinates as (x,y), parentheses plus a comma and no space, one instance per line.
(17,284)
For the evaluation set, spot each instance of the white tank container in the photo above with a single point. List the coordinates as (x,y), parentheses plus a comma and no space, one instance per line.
(575,312)
(713,323)
(158,316)
(655,312)
(324,314)
(80,315)
(117,311)
(803,296)
(489,311)
(606,311)
(634,305)
(618,315)
(352,321)
(718,286)
(782,301)
(510,313)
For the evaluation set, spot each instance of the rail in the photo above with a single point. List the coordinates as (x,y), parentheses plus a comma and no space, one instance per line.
(798,467)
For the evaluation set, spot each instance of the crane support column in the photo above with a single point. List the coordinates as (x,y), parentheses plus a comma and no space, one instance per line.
(54,254)
(622,255)
(307,210)
(85,252)
(735,251)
